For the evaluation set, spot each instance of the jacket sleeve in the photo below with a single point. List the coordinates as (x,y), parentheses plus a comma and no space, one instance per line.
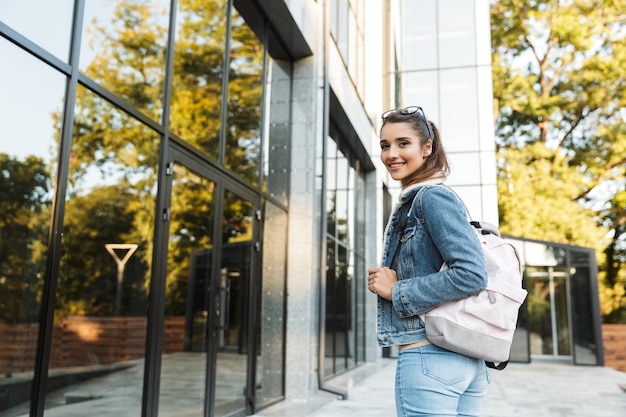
(448,227)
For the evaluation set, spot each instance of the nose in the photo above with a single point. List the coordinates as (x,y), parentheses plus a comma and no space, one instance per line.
(392,152)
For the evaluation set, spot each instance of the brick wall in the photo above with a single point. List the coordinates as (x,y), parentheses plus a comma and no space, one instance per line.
(614,341)
(79,341)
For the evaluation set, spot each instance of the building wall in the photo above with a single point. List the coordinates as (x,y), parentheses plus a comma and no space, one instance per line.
(450,77)
(445,67)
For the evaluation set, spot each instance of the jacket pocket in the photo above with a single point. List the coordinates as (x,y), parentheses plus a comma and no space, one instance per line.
(407,234)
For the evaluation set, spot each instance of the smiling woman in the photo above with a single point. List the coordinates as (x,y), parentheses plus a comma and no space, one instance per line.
(428,228)
(407,141)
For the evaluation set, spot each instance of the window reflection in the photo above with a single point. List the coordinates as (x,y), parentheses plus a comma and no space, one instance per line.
(344,312)
(233,293)
(187,294)
(100,316)
(347,28)
(245,86)
(28,152)
(197,79)
(123,50)
(548,311)
(47,23)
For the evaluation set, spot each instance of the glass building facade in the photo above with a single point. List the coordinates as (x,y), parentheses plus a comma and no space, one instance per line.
(143,159)
(192,195)
(560,319)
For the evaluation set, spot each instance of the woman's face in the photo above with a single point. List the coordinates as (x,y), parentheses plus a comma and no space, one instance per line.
(401,150)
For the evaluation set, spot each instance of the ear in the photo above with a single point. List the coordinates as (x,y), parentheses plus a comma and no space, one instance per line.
(428,148)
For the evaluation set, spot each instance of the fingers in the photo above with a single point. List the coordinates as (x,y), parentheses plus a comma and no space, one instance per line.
(380,281)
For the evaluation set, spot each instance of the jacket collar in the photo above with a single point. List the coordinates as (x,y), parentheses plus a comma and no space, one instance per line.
(409,192)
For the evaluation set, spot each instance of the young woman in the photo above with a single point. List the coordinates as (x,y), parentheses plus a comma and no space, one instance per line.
(420,237)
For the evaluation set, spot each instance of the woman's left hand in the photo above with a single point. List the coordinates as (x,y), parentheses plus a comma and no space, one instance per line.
(380,280)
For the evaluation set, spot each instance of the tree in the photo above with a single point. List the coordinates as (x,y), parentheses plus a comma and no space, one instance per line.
(25,206)
(559,81)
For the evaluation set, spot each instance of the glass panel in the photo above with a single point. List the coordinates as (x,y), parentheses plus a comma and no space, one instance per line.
(353,40)
(270,365)
(234,286)
(579,257)
(342,308)
(245,87)
(561,313)
(341,203)
(360,267)
(331,302)
(28,154)
(520,348)
(583,317)
(276,138)
(543,255)
(331,186)
(197,83)
(351,310)
(345,268)
(187,295)
(359,287)
(419,36)
(341,35)
(539,312)
(101,297)
(124,49)
(548,315)
(47,23)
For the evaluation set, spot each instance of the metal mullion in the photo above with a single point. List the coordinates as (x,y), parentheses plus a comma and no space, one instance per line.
(156,308)
(225,77)
(120,103)
(32,48)
(216,265)
(253,302)
(46,327)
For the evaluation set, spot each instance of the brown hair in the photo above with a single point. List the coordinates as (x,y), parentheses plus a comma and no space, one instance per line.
(436,164)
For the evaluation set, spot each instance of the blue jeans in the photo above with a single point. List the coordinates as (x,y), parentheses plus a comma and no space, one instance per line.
(431,381)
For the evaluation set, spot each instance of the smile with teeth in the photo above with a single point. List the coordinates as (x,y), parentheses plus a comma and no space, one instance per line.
(396,165)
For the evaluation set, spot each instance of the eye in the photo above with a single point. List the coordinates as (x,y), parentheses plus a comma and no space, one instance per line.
(404,143)
(384,146)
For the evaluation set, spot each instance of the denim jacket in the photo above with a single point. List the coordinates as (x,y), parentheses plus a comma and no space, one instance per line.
(428,227)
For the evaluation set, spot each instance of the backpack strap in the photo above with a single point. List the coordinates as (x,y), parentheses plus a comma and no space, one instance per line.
(420,218)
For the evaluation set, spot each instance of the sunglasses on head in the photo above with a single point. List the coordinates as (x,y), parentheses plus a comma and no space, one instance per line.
(411,110)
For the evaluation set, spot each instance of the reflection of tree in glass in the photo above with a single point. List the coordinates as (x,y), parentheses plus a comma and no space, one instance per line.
(130,59)
(87,278)
(25,206)
(244,101)
(236,226)
(190,231)
(106,140)
(198,73)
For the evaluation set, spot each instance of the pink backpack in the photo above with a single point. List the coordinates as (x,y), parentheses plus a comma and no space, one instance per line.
(482,326)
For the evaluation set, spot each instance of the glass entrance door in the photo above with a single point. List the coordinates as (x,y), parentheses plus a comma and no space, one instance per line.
(548,312)
(205,367)
(232,303)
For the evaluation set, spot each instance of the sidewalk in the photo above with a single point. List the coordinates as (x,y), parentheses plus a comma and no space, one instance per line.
(539,389)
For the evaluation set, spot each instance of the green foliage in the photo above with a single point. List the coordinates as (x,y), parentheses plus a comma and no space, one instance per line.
(25,206)
(559,82)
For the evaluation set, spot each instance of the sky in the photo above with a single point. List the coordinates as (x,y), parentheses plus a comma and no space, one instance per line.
(35,90)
